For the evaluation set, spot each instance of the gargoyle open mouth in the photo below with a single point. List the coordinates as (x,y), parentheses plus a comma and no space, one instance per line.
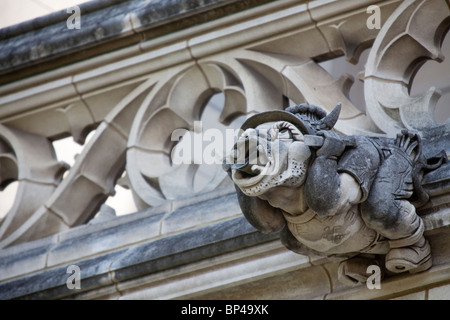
(251,161)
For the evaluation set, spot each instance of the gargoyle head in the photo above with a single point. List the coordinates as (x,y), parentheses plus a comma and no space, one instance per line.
(271,151)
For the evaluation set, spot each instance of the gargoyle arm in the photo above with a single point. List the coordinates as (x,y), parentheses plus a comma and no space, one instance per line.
(327,191)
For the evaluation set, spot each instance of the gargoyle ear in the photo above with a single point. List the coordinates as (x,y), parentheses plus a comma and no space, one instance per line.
(260,214)
(330,120)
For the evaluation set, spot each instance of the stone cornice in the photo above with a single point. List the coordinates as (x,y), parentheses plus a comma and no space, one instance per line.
(46,43)
(204,244)
(201,247)
(129,247)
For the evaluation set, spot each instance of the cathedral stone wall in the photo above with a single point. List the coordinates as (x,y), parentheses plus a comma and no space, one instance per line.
(141,82)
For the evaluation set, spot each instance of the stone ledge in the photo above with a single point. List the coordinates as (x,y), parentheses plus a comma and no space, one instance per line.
(94,239)
(105,26)
(137,261)
(318,280)
(138,255)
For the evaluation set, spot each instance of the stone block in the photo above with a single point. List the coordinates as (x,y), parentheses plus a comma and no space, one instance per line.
(92,240)
(439,293)
(421,295)
(187,247)
(201,213)
(52,283)
(300,284)
(25,258)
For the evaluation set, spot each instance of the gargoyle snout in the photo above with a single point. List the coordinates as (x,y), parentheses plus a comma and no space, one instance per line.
(242,152)
(249,155)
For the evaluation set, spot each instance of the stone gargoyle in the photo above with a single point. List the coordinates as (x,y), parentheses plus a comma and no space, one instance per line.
(342,197)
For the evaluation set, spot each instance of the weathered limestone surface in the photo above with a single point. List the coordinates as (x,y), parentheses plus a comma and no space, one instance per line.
(138,71)
(107,25)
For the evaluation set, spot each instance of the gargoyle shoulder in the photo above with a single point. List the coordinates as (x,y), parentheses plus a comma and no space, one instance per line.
(362,162)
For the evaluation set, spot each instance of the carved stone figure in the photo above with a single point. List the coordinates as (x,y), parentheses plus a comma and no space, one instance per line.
(332,195)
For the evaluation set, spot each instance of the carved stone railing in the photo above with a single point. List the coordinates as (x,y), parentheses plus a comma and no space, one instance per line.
(145,78)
